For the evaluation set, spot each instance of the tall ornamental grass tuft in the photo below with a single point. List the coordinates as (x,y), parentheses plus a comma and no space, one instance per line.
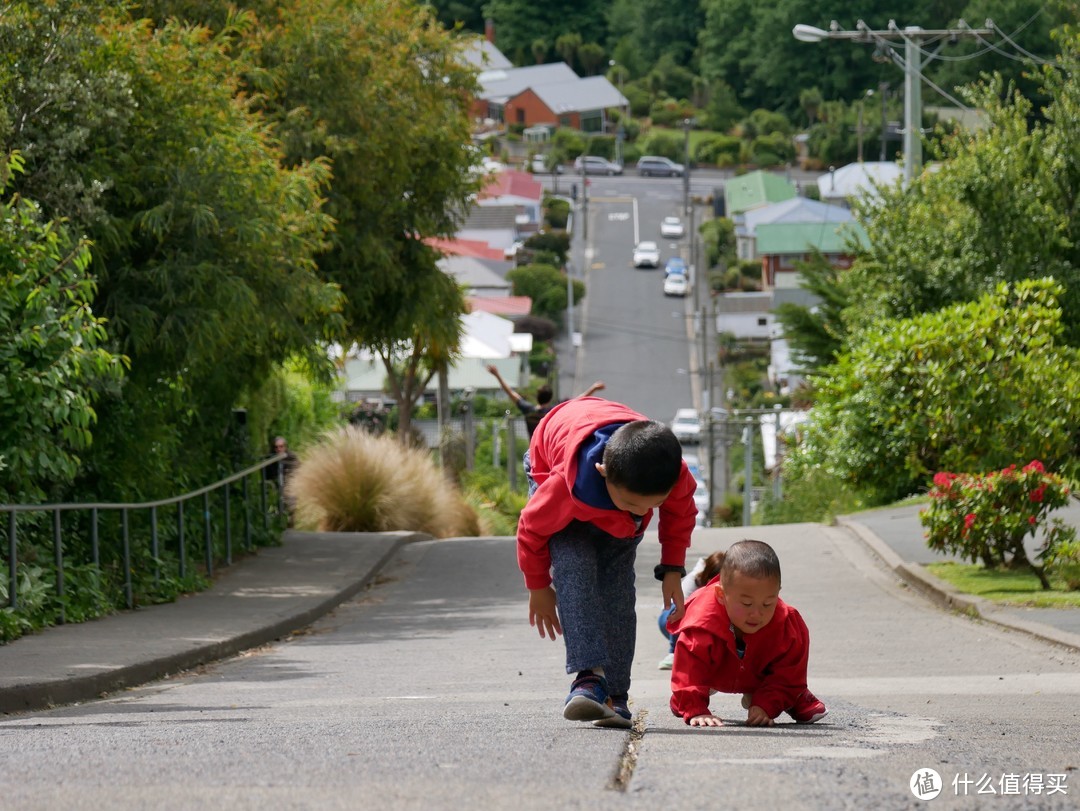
(354,481)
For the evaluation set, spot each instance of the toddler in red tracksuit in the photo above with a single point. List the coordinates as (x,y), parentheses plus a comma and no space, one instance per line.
(738,636)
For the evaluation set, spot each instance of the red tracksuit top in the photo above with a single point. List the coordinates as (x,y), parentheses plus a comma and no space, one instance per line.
(773,667)
(553,452)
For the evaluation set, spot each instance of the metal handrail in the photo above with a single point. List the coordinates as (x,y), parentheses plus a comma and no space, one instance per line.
(125,508)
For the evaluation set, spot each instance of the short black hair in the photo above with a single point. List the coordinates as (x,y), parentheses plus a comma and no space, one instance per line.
(543,395)
(643,457)
(754,559)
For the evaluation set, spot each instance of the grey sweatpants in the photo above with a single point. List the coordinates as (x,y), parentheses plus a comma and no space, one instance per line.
(595,593)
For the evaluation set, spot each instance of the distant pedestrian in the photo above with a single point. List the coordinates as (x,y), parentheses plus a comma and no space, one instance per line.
(597,470)
(534,412)
(738,636)
(704,570)
(279,472)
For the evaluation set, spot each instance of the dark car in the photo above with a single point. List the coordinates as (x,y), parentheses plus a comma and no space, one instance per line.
(650,165)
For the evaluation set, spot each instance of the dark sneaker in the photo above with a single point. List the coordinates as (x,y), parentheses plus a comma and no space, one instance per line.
(588,699)
(807,709)
(621,719)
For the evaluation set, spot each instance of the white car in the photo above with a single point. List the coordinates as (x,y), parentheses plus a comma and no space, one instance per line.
(686,426)
(647,255)
(540,165)
(671,227)
(676,285)
(701,498)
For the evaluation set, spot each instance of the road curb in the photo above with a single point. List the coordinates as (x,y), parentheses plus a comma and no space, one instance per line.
(944,596)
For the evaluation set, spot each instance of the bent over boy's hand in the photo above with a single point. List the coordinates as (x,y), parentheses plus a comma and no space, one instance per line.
(672,590)
(542,614)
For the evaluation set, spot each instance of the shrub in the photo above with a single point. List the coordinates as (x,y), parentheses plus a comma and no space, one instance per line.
(718,149)
(987,516)
(971,387)
(352,481)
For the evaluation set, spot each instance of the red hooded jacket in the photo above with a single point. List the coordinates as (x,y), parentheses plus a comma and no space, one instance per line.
(773,667)
(553,452)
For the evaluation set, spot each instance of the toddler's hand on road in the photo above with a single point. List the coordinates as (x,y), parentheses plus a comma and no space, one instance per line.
(757,717)
(706,721)
(542,613)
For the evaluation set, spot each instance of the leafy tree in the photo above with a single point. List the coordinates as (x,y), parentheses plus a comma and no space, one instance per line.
(1001,207)
(970,388)
(539,50)
(592,58)
(206,259)
(59,112)
(810,100)
(567,46)
(469,13)
(816,334)
(425,341)
(546,286)
(519,22)
(52,350)
(399,176)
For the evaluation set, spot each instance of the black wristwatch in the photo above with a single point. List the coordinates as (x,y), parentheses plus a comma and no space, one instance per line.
(663,568)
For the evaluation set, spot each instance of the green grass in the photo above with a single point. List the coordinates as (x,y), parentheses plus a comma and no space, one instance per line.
(1005,586)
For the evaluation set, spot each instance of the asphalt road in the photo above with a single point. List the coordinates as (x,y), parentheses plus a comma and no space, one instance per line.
(430,691)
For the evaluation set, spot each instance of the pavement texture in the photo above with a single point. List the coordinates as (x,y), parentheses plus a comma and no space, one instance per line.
(284,589)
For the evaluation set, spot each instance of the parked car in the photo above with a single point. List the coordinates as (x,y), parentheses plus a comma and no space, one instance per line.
(646,255)
(649,165)
(701,499)
(671,227)
(693,464)
(686,426)
(540,165)
(675,266)
(596,166)
(676,285)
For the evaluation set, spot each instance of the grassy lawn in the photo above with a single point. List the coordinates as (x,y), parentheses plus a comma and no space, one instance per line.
(1007,587)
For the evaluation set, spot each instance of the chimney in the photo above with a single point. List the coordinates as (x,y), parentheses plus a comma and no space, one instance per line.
(489,30)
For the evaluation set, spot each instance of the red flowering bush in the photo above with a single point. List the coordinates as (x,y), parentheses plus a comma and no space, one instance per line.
(986,516)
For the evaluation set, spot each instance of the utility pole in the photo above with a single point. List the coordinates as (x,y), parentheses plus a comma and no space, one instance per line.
(687,122)
(912,62)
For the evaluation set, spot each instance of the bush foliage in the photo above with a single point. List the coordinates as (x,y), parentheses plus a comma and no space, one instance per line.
(969,388)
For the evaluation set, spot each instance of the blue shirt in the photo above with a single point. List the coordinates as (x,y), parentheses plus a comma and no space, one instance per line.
(589,486)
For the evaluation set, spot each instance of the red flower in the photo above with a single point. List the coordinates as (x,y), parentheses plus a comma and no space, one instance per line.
(943,479)
(1031,519)
(969,519)
(1035,465)
(1037,494)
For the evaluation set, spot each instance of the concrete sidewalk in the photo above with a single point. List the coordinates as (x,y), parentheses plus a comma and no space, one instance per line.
(262,598)
(283,589)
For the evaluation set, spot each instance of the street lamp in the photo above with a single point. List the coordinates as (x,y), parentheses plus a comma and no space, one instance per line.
(912,62)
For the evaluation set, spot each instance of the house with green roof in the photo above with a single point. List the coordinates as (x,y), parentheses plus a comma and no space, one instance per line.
(755,189)
(781,244)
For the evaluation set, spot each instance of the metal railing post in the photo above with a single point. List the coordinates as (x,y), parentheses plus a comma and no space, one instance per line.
(13,564)
(128,591)
(247,514)
(228,527)
(58,552)
(207,537)
(181,552)
(154,551)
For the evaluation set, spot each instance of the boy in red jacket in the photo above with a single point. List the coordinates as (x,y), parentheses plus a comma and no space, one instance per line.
(738,636)
(597,470)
